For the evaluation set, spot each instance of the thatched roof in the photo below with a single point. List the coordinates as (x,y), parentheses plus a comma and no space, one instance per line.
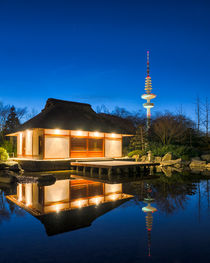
(70,220)
(70,115)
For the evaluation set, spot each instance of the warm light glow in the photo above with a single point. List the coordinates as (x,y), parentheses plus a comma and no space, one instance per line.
(28,194)
(113,135)
(20,193)
(80,203)
(96,134)
(57,131)
(79,133)
(28,132)
(96,200)
(57,208)
(113,197)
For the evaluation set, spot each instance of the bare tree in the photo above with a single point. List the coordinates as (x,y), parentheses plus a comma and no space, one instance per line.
(30,114)
(102,109)
(198,113)
(170,128)
(4,112)
(21,113)
(206,118)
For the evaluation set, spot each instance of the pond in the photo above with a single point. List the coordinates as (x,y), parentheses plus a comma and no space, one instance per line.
(90,220)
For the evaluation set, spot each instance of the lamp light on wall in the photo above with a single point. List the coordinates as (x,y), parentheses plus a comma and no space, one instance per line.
(113,135)
(57,131)
(96,134)
(79,133)
(28,133)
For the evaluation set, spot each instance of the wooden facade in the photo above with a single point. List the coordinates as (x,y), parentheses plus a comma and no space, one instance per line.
(37,144)
(66,195)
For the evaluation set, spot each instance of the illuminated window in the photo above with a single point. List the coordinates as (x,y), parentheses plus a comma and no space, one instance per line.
(95,145)
(95,189)
(78,144)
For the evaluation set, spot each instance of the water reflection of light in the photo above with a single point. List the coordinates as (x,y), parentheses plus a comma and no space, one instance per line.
(57,208)
(28,194)
(96,200)
(113,197)
(20,193)
(80,203)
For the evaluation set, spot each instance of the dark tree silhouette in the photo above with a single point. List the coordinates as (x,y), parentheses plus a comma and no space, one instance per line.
(12,123)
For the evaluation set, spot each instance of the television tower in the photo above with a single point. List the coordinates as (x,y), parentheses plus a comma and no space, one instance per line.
(149,210)
(148,96)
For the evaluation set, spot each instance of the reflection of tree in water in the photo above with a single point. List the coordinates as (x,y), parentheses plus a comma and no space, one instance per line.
(169,194)
(7,208)
(4,212)
(171,197)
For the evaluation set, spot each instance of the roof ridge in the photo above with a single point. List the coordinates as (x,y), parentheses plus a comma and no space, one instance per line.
(53,100)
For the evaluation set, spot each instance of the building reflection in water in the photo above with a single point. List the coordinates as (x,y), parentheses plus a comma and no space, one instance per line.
(149,210)
(68,204)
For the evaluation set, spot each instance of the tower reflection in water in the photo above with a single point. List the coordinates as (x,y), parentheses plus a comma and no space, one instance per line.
(68,204)
(149,210)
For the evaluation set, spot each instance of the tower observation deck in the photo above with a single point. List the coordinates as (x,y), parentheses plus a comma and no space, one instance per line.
(148,96)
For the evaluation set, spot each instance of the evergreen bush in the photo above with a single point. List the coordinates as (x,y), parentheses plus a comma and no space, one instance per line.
(178,151)
(136,152)
(3,154)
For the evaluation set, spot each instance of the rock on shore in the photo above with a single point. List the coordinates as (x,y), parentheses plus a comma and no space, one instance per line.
(9,171)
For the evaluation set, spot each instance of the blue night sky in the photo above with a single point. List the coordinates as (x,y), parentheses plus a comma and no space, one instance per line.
(95,52)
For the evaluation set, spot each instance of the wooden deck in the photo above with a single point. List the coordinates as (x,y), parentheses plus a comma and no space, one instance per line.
(110,167)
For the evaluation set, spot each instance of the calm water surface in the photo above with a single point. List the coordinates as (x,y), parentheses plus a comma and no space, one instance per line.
(77,220)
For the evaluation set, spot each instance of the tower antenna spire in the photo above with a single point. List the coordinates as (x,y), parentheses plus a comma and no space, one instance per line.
(148,96)
(147,63)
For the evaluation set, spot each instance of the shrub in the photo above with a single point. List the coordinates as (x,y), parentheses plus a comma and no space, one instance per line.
(177,151)
(136,152)
(3,154)
(9,146)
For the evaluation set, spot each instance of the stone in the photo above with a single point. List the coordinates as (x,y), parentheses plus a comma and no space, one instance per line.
(208,166)
(167,171)
(196,158)
(144,158)
(196,171)
(167,157)
(158,169)
(150,156)
(205,157)
(16,168)
(11,165)
(7,177)
(136,157)
(158,159)
(171,162)
(205,173)
(3,166)
(178,165)
(197,164)
(185,163)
